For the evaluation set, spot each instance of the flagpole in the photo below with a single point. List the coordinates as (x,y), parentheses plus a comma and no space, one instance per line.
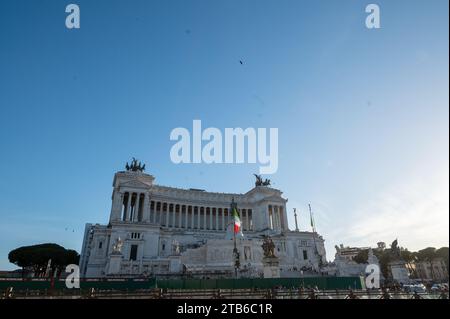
(233,206)
(313,224)
(313,227)
(235,256)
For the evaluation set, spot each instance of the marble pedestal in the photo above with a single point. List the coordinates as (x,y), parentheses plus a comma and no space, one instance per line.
(271,267)
(115,261)
(399,272)
(175,264)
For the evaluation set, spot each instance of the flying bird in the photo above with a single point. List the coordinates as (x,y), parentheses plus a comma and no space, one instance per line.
(241,62)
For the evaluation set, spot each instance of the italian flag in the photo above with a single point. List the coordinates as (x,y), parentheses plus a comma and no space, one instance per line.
(237,221)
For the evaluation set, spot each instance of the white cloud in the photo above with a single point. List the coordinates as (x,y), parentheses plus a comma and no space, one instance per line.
(415,211)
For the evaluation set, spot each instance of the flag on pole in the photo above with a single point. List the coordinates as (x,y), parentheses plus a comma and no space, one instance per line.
(311,218)
(237,220)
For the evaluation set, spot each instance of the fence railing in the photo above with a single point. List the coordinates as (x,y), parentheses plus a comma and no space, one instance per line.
(156,293)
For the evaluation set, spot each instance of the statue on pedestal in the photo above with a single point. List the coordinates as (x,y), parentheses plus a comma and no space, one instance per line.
(114,265)
(117,246)
(270,261)
(395,250)
(175,247)
(397,265)
(268,247)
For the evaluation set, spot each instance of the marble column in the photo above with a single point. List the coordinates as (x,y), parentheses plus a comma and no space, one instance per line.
(124,206)
(278,216)
(211,220)
(195,218)
(116,206)
(216,217)
(137,205)
(153,212)
(280,210)
(227,219)
(204,218)
(119,217)
(174,216)
(167,214)
(223,220)
(275,216)
(241,217)
(180,216)
(130,196)
(157,214)
(180,209)
(162,217)
(285,218)
(247,219)
(146,208)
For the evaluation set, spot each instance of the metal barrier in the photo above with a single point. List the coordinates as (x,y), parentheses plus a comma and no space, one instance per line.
(253,293)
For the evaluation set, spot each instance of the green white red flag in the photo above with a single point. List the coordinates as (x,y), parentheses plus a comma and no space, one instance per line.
(237,221)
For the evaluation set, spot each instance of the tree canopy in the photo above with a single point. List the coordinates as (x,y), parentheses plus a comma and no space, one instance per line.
(36,257)
(443,253)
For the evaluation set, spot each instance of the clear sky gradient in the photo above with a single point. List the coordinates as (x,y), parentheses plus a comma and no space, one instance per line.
(362,114)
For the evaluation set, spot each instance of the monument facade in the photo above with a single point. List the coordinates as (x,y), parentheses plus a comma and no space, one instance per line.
(156,230)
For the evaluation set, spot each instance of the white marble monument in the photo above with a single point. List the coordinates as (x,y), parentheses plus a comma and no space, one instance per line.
(171,231)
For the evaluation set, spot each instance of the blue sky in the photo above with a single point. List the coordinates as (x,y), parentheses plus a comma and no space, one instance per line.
(362,114)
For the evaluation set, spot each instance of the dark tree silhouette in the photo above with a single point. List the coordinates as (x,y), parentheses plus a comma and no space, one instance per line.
(36,257)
